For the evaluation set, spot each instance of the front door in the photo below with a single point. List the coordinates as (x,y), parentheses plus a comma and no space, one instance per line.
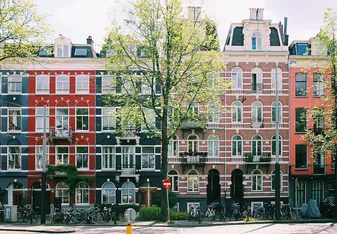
(213,186)
(237,186)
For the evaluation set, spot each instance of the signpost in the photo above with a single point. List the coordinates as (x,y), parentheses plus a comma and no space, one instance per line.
(167,185)
(130,216)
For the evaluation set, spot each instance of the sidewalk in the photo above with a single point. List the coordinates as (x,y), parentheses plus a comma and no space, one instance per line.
(48,228)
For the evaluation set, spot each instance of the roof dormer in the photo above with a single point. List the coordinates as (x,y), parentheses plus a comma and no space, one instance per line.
(62,47)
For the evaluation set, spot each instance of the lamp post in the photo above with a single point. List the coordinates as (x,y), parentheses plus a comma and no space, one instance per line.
(43,173)
(148,192)
(277,160)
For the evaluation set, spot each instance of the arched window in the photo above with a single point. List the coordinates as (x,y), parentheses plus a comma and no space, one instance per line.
(193,181)
(257,145)
(213,146)
(108,193)
(273,181)
(257,180)
(274,108)
(257,80)
(237,112)
(256,112)
(62,191)
(256,41)
(276,77)
(273,145)
(237,145)
(82,193)
(173,147)
(193,143)
(237,78)
(128,193)
(213,113)
(174,177)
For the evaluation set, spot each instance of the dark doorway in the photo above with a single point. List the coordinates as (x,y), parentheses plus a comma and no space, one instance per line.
(213,187)
(37,198)
(236,186)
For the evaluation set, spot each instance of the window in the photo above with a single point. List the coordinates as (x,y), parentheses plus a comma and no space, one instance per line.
(128,157)
(62,84)
(237,112)
(301,120)
(193,143)
(193,181)
(14,158)
(42,84)
(302,49)
(82,119)
(62,155)
(62,51)
(257,145)
(195,109)
(256,112)
(82,157)
(299,194)
(109,118)
(62,118)
(108,193)
(276,78)
(174,178)
(276,107)
(148,158)
(108,158)
(14,119)
(128,193)
(213,146)
(257,80)
(150,118)
(273,145)
(173,147)
(108,84)
(301,85)
(317,191)
(38,157)
(319,119)
(82,84)
(213,113)
(39,118)
(273,181)
(237,78)
(62,191)
(256,41)
(319,85)
(257,180)
(81,52)
(236,145)
(14,84)
(301,157)
(82,193)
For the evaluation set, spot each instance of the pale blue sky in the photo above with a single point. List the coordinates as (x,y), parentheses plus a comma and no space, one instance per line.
(77,19)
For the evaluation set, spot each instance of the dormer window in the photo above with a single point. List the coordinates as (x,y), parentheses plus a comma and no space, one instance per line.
(62,47)
(256,41)
(62,51)
(81,52)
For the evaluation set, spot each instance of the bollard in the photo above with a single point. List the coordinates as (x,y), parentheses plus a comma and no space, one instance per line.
(128,229)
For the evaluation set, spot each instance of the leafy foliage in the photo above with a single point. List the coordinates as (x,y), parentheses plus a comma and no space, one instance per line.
(173,198)
(179,216)
(149,213)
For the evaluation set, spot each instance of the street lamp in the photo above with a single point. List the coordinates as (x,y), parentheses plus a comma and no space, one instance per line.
(148,192)
(43,173)
(277,160)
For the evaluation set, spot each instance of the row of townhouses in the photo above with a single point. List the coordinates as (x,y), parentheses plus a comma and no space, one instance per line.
(233,159)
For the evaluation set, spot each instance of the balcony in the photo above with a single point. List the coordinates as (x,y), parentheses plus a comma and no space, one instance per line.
(257,124)
(197,123)
(193,157)
(127,170)
(264,158)
(61,134)
(257,87)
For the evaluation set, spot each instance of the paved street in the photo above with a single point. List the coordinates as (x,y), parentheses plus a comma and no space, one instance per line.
(270,228)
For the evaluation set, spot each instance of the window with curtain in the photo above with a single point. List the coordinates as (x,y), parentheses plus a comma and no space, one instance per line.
(108,193)
(257,180)
(193,181)
(213,146)
(237,145)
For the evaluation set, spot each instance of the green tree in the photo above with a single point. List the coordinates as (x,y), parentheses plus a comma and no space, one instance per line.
(163,63)
(23,31)
(323,135)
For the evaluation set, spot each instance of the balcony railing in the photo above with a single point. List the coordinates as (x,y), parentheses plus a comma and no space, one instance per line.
(182,159)
(127,169)
(264,157)
(257,124)
(257,87)
(61,133)
(198,122)
(193,157)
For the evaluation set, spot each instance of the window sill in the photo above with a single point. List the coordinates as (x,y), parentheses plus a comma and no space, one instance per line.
(301,169)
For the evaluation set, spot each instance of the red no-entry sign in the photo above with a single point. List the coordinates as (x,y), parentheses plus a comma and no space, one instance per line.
(167,183)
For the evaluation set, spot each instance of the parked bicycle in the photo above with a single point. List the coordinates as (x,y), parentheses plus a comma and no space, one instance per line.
(195,214)
(25,214)
(210,213)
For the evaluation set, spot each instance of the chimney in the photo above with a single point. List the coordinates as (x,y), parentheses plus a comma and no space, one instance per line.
(256,13)
(285,35)
(90,41)
(194,13)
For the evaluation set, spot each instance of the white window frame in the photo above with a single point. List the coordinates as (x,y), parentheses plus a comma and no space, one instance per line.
(190,204)
(16,157)
(108,84)
(42,81)
(63,50)
(237,78)
(16,117)
(108,158)
(111,193)
(258,41)
(236,141)
(237,112)
(273,141)
(63,118)
(64,160)
(128,190)
(150,117)
(62,193)
(173,147)
(258,143)
(273,111)
(128,156)
(14,84)
(62,84)
(257,109)
(213,113)
(213,146)
(82,155)
(279,78)
(82,194)
(109,118)
(82,84)
(39,118)
(80,117)
(174,178)
(192,144)
(147,157)
(194,181)
(38,157)
(258,178)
